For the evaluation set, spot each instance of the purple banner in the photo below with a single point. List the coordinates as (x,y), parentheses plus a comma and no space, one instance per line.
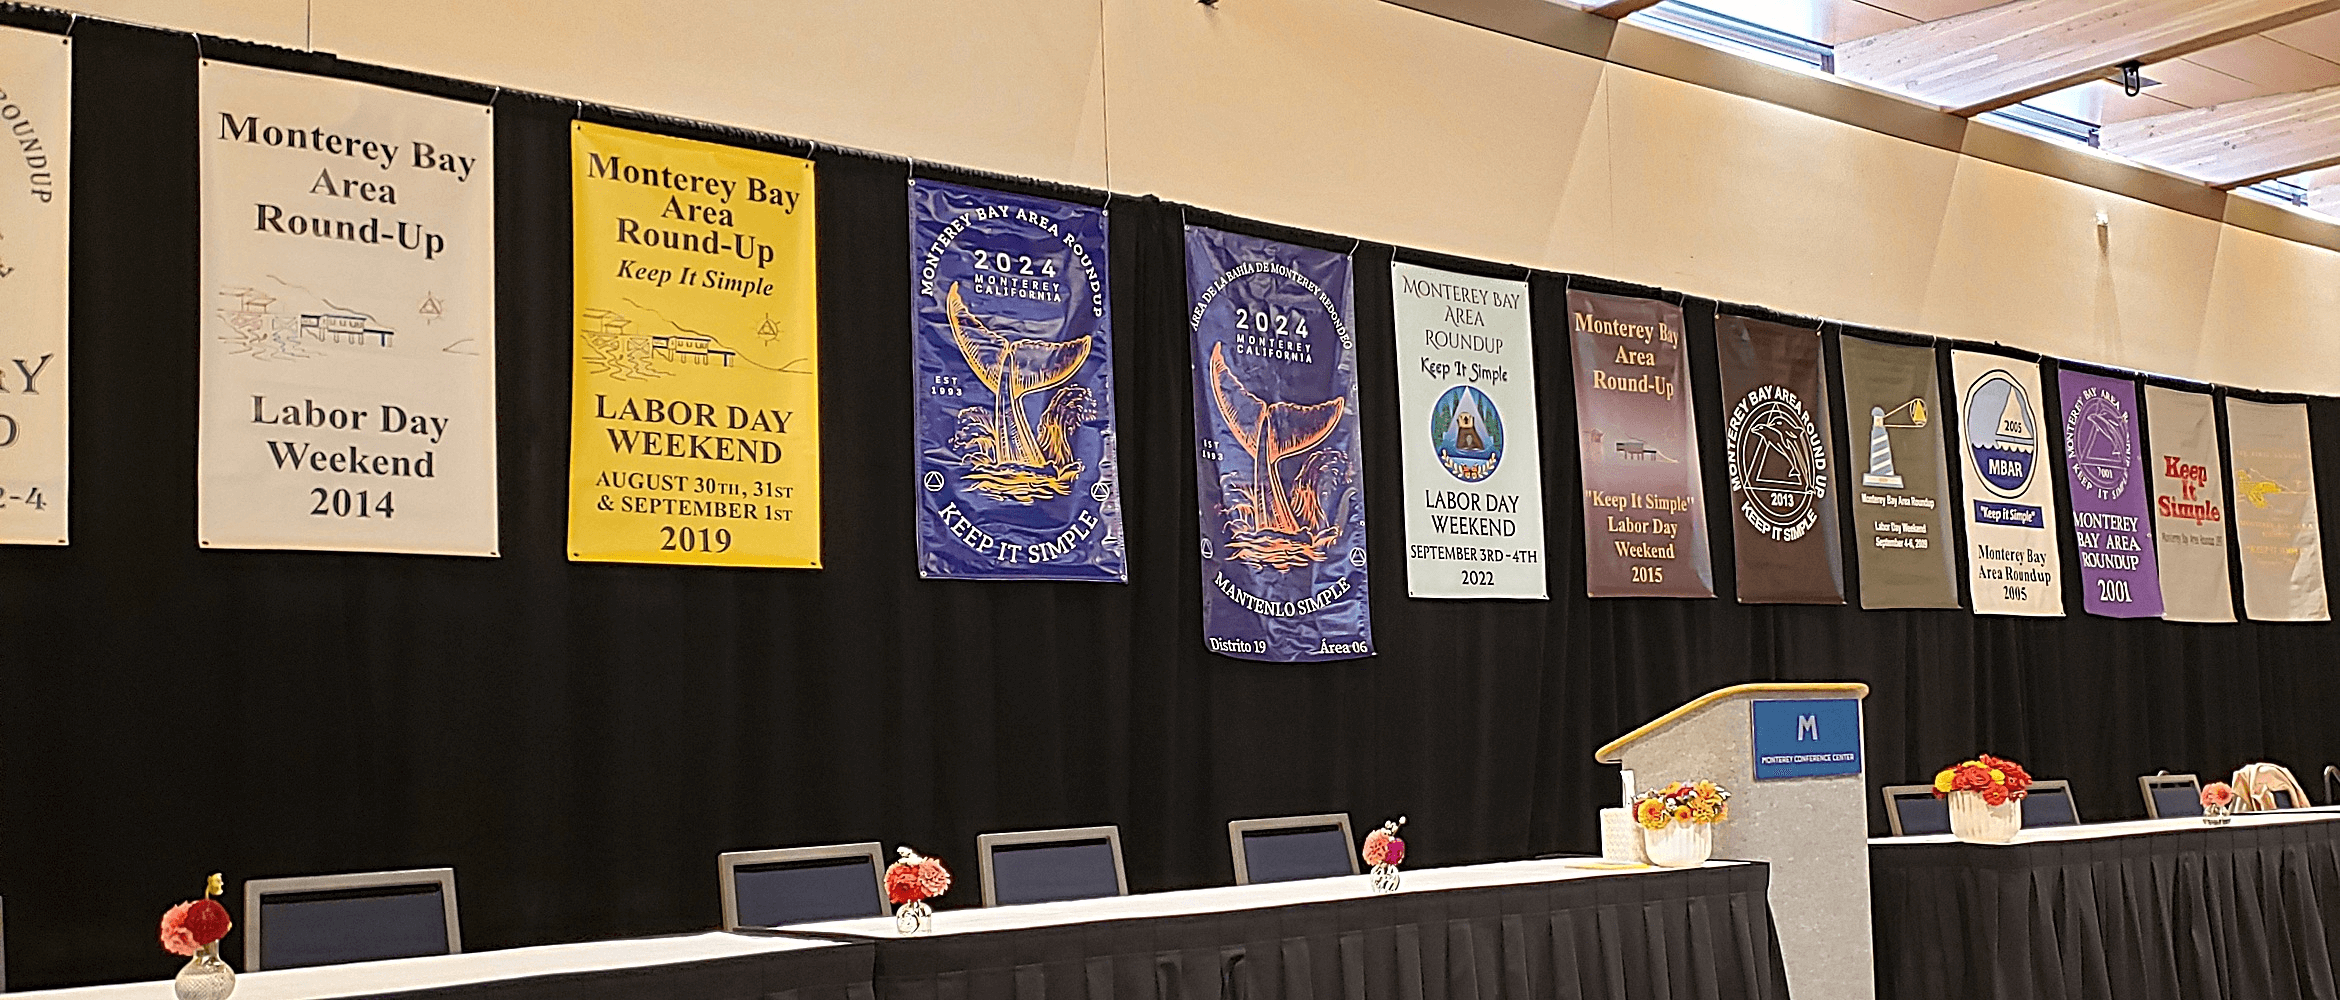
(1012,341)
(2119,577)
(1275,425)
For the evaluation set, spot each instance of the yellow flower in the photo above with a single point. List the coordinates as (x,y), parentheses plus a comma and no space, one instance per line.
(1998,777)
(1944,780)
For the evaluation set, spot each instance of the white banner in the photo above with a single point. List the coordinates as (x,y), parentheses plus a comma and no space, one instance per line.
(36,77)
(348,322)
(1467,416)
(2275,523)
(2189,506)
(2012,561)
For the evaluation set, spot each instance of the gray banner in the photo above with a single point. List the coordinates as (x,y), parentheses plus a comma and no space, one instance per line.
(1898,477)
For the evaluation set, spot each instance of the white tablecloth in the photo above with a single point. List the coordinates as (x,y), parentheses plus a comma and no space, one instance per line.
(1222,899)
(2094,831)
(405,974)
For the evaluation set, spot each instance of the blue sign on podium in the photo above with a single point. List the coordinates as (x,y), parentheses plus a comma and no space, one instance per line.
(1807,738)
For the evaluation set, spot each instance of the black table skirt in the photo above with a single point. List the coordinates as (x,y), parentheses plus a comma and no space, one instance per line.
(2234,913)
(1701,933)
(839,973)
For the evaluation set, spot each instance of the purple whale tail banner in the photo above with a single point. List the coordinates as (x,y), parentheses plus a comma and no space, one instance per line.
(2112,523)
(1013,345)
(1637,442)
(1276,450)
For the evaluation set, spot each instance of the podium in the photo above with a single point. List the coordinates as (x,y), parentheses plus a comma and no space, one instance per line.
(1790,753)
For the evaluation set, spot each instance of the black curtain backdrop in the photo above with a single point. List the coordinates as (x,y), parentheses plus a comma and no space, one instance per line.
(579,741)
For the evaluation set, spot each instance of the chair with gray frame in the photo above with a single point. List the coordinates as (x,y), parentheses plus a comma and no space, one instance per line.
(1046,866)
(2048,804)
(331,919)
(1289,848)
(1913,811)
(798,885)
(2169,796)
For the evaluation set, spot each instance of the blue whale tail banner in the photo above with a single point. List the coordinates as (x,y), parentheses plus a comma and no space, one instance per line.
(1012,341)
(1276,450)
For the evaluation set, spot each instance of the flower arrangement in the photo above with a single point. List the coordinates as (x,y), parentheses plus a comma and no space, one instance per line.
(910,882)
(915,878)
(193,929)
(1382,847)
(1383,850)
(197,924)
(2217,795)
(1697,803)
(1998,780)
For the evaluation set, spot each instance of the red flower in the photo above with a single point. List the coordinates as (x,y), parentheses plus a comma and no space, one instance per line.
(187,927)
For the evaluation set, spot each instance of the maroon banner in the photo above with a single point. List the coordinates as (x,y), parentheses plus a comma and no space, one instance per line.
(1637,442)
(1782,463)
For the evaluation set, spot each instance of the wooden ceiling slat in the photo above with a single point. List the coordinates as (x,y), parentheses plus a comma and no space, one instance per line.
(1617,8)
(2237,143)
(1997,56)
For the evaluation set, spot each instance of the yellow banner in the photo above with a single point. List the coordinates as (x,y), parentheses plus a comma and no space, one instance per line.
(695,430)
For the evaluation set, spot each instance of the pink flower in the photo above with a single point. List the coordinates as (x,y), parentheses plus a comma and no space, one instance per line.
(2217,794)
(1380,848)
(933,878)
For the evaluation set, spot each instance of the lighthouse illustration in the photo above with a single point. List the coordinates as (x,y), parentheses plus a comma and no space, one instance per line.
(1909,414)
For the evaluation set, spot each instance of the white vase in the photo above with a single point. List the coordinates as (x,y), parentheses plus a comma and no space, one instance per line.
(1679,845)
(1978,822)
(204,977)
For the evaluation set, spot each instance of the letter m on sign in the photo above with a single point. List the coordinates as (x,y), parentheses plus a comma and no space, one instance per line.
(1807,727)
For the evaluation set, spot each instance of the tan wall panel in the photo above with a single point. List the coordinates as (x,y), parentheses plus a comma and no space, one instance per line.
(1364,119)
(1380,122)
(2022,263)
(1813,217)
(277,22)
(1012,86)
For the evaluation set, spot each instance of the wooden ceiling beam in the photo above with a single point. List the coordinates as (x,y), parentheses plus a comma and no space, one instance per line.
(1616,9)
(1988,59)
(2238,143)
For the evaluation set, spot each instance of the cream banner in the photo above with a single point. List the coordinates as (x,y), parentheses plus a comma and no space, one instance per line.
(2012,560)
(2275,512)
(1467,413)
(2189,505)
(348,322)
(36,77)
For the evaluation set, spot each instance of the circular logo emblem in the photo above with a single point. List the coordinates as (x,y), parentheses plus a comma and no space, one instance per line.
(1098,492)
(1778,463)
(2002,437)
(934,481)
(2097,435)
(1467,433)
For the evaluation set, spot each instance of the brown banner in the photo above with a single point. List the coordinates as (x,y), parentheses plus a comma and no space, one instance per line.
(1900,483)
(1637,439)
(1781,461)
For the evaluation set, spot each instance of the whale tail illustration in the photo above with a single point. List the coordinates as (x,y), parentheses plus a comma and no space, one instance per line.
(1012,369)
(1270,432)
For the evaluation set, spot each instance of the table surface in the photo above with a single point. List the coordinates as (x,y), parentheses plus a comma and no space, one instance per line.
(403,975)
(1222,899)
(2131,828)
